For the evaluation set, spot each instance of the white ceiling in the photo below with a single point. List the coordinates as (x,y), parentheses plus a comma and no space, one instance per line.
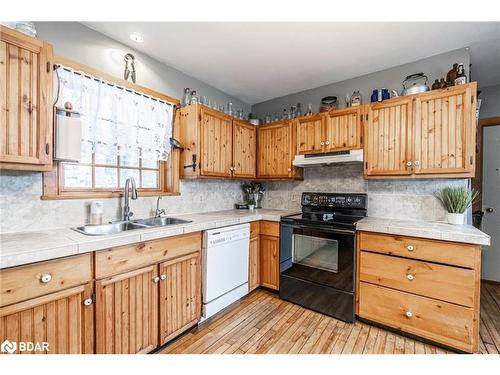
(259,61)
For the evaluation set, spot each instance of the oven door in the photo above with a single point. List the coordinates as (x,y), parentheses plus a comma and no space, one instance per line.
(323,255)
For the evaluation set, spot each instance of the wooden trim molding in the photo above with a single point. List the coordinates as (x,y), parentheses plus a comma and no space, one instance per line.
(490,121)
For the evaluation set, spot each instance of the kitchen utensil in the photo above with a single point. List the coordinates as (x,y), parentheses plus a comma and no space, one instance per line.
(413,84)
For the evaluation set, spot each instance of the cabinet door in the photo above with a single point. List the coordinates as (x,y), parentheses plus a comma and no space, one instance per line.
(310,134)
(254,264)
(387,138)
(445,131)
(269,261)
(275,150)
(216,143)
(180,295)
(60,319)
(25,101)
(127,312)
(343,129)
(244,149)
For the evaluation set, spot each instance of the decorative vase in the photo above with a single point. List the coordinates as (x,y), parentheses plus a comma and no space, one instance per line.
(251,206)
(456,219)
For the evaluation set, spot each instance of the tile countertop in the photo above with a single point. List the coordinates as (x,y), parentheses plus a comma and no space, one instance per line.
(28,247)
(425,229)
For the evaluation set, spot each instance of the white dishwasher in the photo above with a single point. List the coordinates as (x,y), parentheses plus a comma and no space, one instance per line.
(225,267)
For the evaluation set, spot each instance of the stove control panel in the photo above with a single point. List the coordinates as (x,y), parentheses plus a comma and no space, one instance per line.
(334,200)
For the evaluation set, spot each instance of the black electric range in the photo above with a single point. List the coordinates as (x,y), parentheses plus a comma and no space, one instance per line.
(317,253)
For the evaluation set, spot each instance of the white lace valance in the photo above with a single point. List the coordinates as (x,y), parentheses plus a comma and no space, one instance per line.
(116,120)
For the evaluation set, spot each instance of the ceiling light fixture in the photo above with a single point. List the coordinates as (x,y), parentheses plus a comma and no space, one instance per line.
(136,37)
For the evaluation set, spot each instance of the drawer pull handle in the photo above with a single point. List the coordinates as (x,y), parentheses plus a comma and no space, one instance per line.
(163,277)
(156,279)
(409,314)
(410,247)
(410,276)
(88,302)
(45,278)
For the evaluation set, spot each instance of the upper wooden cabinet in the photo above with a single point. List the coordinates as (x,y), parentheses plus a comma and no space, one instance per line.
(424,135)
(276,149)
(445,131)
(337,130)
(244,149)
(388,129)
(25,101)
(215,145)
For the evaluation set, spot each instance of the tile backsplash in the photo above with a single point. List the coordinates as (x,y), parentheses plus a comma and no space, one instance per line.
(21,208)
(393,199)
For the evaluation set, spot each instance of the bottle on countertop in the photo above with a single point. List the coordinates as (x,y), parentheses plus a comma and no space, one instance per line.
(96,212)
(461,78)
(356,98)
(285,114)
(452,74)
(299,110)
(435,85)
(194,97)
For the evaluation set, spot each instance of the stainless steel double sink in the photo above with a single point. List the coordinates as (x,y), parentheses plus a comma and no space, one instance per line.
(123,226)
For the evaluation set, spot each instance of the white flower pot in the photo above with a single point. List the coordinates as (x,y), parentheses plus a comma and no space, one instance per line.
(456,219)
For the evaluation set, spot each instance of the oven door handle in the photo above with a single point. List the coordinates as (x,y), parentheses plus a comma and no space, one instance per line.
(326,229)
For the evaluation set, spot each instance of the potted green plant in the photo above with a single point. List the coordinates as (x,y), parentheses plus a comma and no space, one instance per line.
(456,200)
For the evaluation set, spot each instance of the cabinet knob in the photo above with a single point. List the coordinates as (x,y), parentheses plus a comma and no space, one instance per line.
(409,314)
(410,248)
(289,169)
(322,143)
(163,277)
(88,302)
(410,277)
(156,279)
(417,162)
(408,163)
(45,278)
(327,143)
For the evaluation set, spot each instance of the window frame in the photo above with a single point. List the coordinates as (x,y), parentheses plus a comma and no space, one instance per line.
(168,170)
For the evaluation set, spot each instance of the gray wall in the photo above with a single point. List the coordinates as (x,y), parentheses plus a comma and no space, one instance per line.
(80,43)
(434,67)
(490,101)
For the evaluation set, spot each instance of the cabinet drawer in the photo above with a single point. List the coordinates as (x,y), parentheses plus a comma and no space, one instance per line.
(453,253)
(451,284)
(254,229)
(117,260)
(438,321)
(270,228)
(22,283)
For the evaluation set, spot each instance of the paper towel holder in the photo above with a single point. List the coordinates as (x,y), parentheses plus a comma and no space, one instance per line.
(61,153)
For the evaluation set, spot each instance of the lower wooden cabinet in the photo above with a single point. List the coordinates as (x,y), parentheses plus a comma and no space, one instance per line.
(428,288)
(269,254)
(64,320)
(180,295)
(127,312)
(254,257)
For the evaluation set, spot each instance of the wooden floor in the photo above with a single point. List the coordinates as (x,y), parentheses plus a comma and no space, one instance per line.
(262,323)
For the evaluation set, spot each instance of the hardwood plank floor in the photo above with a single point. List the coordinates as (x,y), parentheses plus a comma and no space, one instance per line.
(263,323)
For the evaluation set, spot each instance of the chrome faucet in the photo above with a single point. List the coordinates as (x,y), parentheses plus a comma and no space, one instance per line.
(127,214)
(159,211)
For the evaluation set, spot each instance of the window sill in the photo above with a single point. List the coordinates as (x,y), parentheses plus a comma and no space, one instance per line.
(95,195)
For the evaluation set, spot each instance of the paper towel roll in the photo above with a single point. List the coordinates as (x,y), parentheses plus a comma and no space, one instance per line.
(68,138)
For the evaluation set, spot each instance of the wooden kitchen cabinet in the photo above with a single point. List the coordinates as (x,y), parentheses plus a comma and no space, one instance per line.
(25,101)
(63,319)
(127,312)
(428,288)
(388,130)
(422,136)
(244,149)
(445,131)
(310,134)
(215,144)
(275,151)
(254,257)
(343,129)
(269,254)
(180,295)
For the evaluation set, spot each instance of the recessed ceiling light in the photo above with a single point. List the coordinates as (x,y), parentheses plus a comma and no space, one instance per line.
(136,37)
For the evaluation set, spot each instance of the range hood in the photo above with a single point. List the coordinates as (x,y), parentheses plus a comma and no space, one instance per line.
(340,157)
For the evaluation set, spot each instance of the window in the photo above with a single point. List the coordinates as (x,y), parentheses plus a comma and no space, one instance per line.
(125,133)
